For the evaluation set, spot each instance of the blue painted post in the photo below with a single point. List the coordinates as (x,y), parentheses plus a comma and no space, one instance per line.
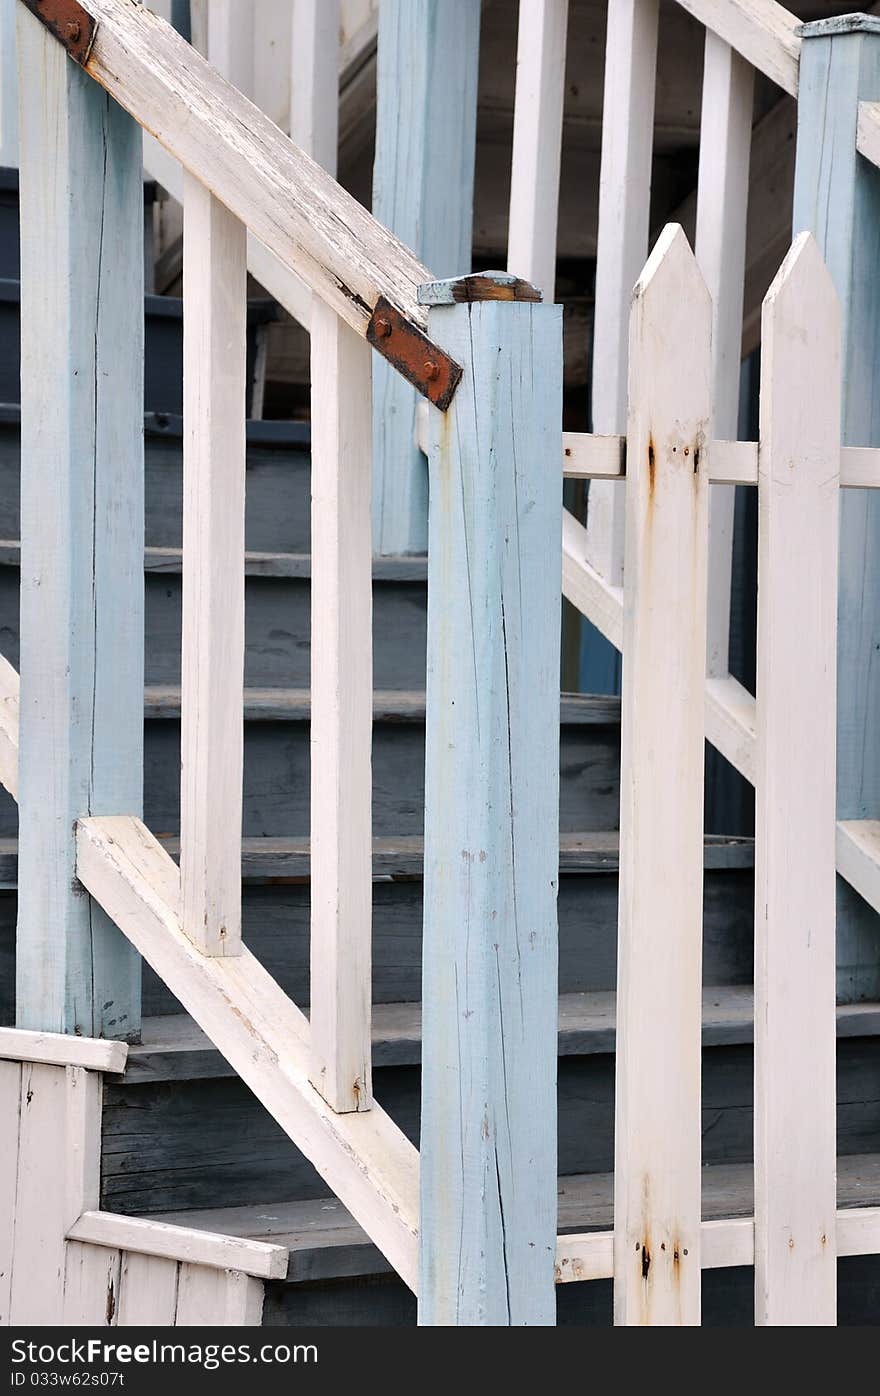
(82,530)
(489,995)
(423,190)
(837,198)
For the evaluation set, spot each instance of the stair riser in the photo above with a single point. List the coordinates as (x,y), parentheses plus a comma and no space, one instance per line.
(277,620)
(277,515)
(276,930)
(177,1145)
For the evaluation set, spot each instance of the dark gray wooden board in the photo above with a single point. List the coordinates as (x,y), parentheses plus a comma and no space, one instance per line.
(277,516)
(276,930)
(177,1144)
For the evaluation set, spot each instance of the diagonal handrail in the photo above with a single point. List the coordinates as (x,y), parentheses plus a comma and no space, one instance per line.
(298,211)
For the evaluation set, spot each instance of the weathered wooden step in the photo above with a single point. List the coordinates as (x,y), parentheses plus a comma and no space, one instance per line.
(277,619)
(174,1048)
(325,1243)
(278,493)
(275,913)
(208,1142)
(163,347)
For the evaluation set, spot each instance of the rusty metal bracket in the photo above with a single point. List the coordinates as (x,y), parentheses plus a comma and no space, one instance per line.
(413,354)
(71,25)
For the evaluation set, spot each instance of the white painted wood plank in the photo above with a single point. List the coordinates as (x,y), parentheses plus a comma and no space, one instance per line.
(795,1120)
(82,525)
(860,467)
(724,1243)
(217,1298)
(537,143)
(8,86)
(731,723)
(342,713)
(10,1109)
(212,644)
(589,457)
(624,198)
(288,202)
(858,857)
(764,32)
(147,1237)
(583,586)
(147,1291)
(91,1286)
(720,245)
(59,1151)
(314,108)
(659,993)
(62,1049)
(364,1158)
(868,132)
(231,42)
(9,727)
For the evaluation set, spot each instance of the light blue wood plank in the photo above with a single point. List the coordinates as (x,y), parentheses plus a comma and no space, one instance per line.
(423,190)
(82,509)
(8,85)
(837,197)
(488,1134)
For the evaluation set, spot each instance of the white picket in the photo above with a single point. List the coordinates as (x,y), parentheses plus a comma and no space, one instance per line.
(212,646)
(624,197)
(659,1004)
(795,1139)
(537,143)
(722,206)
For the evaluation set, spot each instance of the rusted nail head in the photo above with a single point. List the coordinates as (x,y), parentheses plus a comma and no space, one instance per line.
(383,326)
(432,370)
(73,30)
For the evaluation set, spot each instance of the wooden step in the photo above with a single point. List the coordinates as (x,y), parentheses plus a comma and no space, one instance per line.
(174,1048)
(274,860)
(325,1243)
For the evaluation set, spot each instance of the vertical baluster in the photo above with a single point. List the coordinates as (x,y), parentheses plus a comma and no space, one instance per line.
(537,143)
(624,199)
(795,1120)
(489,994)
(341,644)
(423,190)
(722,207)
(231,41)
(212,658)
(82,525)
(659,981)
(837,198)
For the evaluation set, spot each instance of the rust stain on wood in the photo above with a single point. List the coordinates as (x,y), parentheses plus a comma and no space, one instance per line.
(478,287)
(71,25)
(413,354)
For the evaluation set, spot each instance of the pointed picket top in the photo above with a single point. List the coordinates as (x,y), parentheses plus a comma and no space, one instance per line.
(801,339)
(671,269)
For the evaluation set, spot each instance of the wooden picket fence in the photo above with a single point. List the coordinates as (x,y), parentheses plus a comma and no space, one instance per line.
(474,1229)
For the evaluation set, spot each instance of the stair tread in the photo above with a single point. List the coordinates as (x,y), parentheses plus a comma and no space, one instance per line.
(326,1243)
(173,1047)
(256,564)
(283,859)
(389,705)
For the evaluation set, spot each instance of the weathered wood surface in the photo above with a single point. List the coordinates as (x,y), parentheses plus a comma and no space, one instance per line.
(491,794)
(82,529)
(342,702)
(837,198)
(212,640)
(720,245)
(364,1158)
(657,1132)
(288,202)
(764,32)
(795,1146)
(537,143)
(179,1243)
(62,1049)
(423,189)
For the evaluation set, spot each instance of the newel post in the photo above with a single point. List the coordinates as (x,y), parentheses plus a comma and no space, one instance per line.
(488,1141)
(837,198)
(82,530)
